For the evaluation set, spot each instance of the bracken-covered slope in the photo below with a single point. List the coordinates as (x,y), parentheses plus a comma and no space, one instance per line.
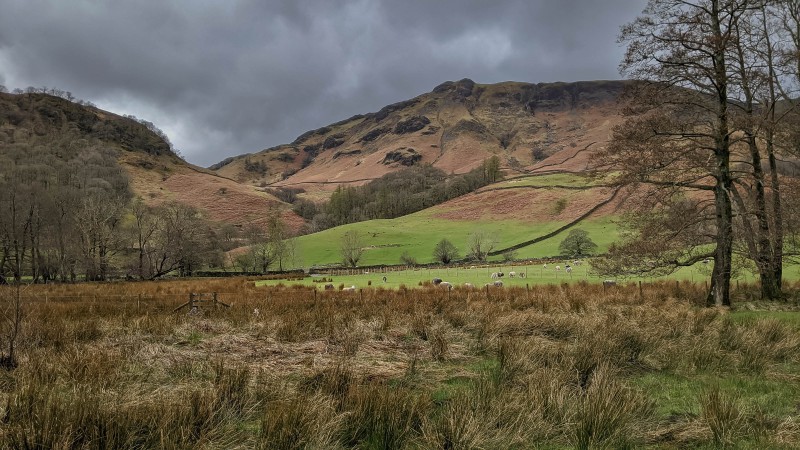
(533,128)
(43,126)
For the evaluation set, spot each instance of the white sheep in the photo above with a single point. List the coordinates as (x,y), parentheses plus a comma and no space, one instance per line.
(494,275)
(558,268)
(544,266)
(512,274)
(498,283)
(446,284)
(350,289)
(468,285)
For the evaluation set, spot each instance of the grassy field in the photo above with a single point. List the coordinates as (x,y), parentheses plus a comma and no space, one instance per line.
(535,274)
(554,367)
(386,240)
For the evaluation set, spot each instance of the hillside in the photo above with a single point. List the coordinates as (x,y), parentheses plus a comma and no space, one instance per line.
(529,215)
(534,128)
(40,126)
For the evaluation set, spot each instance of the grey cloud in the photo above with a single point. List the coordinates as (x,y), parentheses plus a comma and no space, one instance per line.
(225,78)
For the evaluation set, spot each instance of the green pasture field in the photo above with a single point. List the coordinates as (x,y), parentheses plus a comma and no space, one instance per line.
(387,239)
(535,274)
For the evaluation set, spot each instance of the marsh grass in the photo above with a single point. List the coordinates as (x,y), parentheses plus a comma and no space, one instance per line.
(557,366)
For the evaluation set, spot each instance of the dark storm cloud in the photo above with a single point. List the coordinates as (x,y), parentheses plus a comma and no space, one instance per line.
(229,77)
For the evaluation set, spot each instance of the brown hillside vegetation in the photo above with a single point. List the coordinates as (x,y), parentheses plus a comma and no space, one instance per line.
(153,170)
(532,127)
(557,366)
(532,205)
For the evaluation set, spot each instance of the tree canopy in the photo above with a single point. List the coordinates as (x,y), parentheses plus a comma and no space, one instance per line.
(577,243)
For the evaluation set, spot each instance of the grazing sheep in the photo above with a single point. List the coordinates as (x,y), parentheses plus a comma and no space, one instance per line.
(468,285)
(577,262)
(498,283)
(522,275)
(494,275)
(558,268)
(446,284)
(706,261)
(608,283)
(471,267)
(500,274)
(349,289)
(330,287)
(544,266)
(568,269)
(384,278)
(512,274)
(436,281)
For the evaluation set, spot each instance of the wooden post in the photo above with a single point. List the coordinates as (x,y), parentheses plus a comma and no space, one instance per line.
(315,296)
(487,292)
(138,302)
(361,293)
(641,295)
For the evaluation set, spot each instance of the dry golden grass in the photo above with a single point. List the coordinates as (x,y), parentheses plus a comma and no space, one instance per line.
(287,368)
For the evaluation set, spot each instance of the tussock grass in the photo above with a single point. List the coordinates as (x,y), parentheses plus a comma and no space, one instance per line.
(558,366)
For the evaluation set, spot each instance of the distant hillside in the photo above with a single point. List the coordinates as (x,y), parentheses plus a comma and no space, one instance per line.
(43,126)
(532,127)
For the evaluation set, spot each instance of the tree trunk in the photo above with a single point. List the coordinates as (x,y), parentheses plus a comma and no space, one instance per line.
(720,292)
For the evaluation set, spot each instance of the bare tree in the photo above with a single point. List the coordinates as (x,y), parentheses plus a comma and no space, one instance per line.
(480,244)
(681,139)
(12,313)
(276,237)
(352,247)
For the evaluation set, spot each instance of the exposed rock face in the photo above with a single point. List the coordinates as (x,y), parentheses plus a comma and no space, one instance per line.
(405,156)
(386,110)
(333,141)
(341,153)
(374,134)
(462,88)
(411,125)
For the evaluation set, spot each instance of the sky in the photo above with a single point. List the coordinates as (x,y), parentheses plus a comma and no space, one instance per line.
(227,77)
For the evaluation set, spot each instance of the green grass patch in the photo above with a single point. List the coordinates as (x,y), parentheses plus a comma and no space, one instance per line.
(675,394)
(385,240)
(478,276)
(791,318)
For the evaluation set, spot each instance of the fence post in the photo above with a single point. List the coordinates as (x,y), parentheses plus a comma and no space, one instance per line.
(138,302)
(641,294)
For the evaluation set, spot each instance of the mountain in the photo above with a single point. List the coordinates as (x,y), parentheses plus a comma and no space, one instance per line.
(533,128)
(37,126)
